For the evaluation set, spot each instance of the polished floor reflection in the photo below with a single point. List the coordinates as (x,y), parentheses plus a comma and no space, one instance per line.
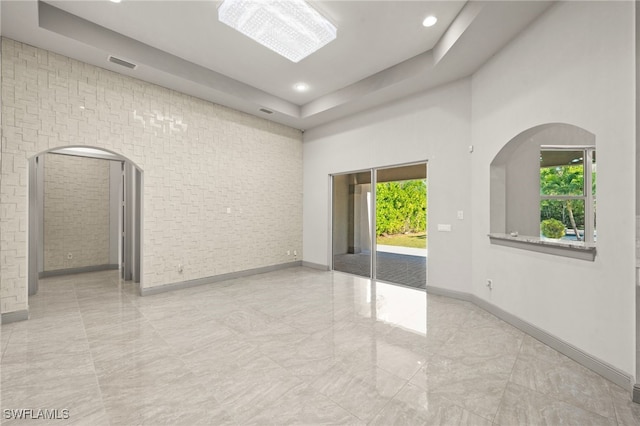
(296,346)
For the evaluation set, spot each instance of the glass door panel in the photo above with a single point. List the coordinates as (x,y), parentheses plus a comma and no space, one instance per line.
(352,204)
(401,225)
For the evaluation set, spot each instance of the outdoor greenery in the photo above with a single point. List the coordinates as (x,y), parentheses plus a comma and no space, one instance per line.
(418,240)
(563,180)
(552,228)
(567,180)
(401,207)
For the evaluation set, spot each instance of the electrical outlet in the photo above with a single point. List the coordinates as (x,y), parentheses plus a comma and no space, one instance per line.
(180,268)
(490,283)
(295,252)
(69,256)
(288,252)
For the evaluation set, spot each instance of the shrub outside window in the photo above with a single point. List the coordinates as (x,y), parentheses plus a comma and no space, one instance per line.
(568,193)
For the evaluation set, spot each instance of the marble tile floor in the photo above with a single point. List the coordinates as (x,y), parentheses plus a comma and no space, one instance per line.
(296,346)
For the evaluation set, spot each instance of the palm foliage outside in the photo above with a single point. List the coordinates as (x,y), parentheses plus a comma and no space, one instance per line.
(564,181)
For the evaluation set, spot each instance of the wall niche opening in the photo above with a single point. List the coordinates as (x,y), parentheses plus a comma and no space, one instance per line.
(515,187)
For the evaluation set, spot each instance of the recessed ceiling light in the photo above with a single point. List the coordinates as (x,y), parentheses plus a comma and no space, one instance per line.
(301,87)
(290,28)
(115,1)
(429,21)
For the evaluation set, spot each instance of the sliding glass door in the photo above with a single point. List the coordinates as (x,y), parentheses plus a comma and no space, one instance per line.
(352,241)
(379,224)
(401,225)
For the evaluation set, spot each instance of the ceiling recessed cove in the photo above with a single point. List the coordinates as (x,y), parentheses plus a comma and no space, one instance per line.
(122,62)
(291,28)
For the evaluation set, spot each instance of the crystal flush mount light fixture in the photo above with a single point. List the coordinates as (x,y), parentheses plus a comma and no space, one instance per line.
(291,28)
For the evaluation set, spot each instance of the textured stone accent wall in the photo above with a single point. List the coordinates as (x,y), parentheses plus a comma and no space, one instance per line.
(76,212)
(222,190)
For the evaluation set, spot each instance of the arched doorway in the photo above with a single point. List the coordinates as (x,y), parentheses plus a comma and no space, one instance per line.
(123,192)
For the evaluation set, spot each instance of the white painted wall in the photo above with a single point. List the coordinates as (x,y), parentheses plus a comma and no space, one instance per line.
(433,126)
(574,65)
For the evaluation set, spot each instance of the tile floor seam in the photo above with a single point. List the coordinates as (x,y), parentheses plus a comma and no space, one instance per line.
(384,405)
(300,377)
(6,346)
(616,416)
(561,398)
(308,331)
(316,379)
(375,416)
(339,405)
(418,371)
(344,408)
(616,411)
(613,404)
(633,407)
(396,376)
(456,403)
(515,361)
(565,401)
(610,397)
(95,371)
(460,329)
(281,397)
(221,404)
(453,403)
(177,356)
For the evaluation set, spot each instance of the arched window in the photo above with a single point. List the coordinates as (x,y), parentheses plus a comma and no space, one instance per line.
(543,194)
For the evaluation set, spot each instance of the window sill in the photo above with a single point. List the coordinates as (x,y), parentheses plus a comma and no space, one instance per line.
(575,250)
